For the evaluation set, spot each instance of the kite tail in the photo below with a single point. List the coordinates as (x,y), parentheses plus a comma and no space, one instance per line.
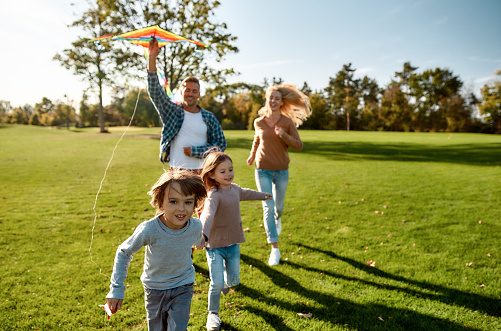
(166,84)
(162,77)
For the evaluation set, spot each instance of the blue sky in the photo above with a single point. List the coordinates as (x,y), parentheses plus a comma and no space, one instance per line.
(297,40)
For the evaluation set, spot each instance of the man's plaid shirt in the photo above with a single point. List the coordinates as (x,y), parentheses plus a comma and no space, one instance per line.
(172,116)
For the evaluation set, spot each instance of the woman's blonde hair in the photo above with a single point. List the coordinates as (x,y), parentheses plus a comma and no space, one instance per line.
(296,105)
(189,182)
(210,164)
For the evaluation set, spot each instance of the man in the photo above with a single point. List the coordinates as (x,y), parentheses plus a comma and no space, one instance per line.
(188,130)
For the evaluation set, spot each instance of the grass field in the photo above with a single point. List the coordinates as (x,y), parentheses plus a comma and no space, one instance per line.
(382,231)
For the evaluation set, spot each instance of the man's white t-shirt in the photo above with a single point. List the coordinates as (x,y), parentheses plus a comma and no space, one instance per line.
(193,133)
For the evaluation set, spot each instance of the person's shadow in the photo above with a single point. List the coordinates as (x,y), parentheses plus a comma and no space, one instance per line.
(335,310)
(443,294)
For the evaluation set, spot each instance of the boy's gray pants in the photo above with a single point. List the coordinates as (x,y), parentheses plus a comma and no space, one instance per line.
(168,310)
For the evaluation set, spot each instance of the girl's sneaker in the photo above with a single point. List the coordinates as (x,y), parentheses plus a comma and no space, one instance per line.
(213,322)
(274,257)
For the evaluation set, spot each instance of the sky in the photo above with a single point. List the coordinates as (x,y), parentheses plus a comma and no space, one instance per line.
(296,40)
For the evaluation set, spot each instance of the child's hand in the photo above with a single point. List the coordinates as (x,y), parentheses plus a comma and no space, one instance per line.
(268,196)
(114,304)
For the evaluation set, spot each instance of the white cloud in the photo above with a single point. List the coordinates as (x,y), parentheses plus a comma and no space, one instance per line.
(484,80)
(364,71)
(483,59)
(269,64)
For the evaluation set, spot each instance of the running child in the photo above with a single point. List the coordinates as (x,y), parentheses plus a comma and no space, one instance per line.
(222,228)
(168,272)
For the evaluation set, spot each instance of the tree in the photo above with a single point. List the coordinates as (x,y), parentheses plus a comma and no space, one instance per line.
(236,105)
(400,100)
(20,115)
(370,96)
(436,88)
(146,115)
(97,64)
(342,93)
(5,109)
(490,105)
(321,118)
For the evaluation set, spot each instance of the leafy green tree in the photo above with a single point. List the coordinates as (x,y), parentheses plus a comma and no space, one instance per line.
(342,93)
(96,63)
(436,87)
(20,115)
(5,108)
(490,105)
(87,113)
(191,19)
(398,103)
(395,111)
(63,115)
(146,115)
(321,117)
(235,104)
(370,97)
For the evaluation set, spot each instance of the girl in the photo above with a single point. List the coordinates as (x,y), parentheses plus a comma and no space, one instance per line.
(168,272)
(222,228)
(275,131)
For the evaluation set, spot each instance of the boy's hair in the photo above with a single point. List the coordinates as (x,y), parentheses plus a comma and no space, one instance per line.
(189,182)
(210,163)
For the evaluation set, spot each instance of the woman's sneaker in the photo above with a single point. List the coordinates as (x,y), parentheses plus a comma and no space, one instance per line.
(213,322)
(274,257)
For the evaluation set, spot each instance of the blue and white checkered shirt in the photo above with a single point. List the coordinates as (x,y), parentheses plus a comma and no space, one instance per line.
(172,116)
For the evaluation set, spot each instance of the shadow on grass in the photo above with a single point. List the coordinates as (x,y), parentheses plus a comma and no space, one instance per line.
(477,154)
(202,271)
(336,310)
(443,294)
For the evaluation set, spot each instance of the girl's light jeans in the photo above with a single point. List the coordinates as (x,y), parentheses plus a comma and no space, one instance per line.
(224,270)
(273,182)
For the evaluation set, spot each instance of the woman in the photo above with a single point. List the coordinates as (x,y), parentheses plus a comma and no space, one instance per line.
(275,131)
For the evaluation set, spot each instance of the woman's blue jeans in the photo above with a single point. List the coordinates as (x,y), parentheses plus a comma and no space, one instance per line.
(273,182)
(224,270)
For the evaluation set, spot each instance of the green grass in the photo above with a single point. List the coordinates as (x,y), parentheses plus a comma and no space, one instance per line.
(425,207)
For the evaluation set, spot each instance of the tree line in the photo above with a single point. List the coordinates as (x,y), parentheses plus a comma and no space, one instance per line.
(431,100)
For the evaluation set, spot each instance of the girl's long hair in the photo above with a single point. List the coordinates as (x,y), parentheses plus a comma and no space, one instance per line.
(296,104)
(212,160)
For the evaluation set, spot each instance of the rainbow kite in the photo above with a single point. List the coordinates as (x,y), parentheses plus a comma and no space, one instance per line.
(143,36)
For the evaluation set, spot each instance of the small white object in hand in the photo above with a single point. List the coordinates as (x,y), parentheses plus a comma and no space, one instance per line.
(107,310)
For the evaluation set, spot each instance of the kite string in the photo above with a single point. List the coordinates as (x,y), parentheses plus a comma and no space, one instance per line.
(104,177)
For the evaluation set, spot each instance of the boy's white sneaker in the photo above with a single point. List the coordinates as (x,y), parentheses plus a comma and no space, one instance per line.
(274,257)
(278,224)
(213,322)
